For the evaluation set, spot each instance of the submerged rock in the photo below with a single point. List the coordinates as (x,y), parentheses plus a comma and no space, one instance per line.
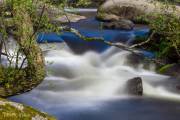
(122,24)
(135,86)
(134,10)
(15,111)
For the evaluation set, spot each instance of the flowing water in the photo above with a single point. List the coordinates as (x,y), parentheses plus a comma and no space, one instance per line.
(92,86)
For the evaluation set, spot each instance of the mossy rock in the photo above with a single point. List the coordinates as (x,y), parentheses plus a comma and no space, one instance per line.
(15,111)
(171,70)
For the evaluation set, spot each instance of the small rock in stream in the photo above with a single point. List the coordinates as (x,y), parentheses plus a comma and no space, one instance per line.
(135,86)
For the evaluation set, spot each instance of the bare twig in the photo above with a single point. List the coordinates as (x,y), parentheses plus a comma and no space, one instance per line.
(20,68)
(39,21)
(17,58)
(145,42)
(1,45)
(3,54)
(119,45)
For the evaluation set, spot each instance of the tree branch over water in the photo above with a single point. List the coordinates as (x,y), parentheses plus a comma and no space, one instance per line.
(118,45)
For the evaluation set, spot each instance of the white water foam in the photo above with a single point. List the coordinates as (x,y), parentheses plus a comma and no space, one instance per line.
(98,75)
(94,75)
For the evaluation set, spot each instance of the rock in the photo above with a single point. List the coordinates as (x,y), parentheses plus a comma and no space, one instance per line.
(122,24)
(134,10)
(59,16)
(135,86)
(67,18)
(107,18)
(15,111)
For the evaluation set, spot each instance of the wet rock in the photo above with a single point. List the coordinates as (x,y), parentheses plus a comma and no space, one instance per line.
(135,86)
(122,24)
(134,60)
(178,87)
(136,10)
(107,18)
(68,18)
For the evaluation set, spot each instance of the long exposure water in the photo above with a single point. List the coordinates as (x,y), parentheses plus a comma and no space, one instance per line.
(92,85)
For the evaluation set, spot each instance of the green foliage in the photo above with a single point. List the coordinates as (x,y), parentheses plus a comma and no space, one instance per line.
(23,19)
(70,3)
(82,3)
(10,76)
(166,42)
(164,68)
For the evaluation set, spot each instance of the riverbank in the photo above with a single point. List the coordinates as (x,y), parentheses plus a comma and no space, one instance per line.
(16,111)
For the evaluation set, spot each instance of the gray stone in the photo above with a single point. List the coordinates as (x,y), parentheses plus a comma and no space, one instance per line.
(135,86)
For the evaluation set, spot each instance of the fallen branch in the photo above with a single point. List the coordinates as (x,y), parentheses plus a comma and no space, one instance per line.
(118,45)
(145,42)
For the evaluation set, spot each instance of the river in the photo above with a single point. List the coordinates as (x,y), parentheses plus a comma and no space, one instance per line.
(87,81)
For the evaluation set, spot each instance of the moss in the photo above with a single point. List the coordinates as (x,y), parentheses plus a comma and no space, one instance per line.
(100,16)
(164,68)
(15,111)
(142,19)
(1,74)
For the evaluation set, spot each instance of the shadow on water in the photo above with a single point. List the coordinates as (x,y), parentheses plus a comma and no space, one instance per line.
(129,109)
(92,28)
(118,109)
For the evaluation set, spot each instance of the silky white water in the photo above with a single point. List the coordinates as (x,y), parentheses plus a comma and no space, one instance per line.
(97,75)
(82,84)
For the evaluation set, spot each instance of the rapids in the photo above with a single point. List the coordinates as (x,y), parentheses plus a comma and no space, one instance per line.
(91,85)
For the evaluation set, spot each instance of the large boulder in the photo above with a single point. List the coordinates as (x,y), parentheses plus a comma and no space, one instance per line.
(130,9)
(15,111)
